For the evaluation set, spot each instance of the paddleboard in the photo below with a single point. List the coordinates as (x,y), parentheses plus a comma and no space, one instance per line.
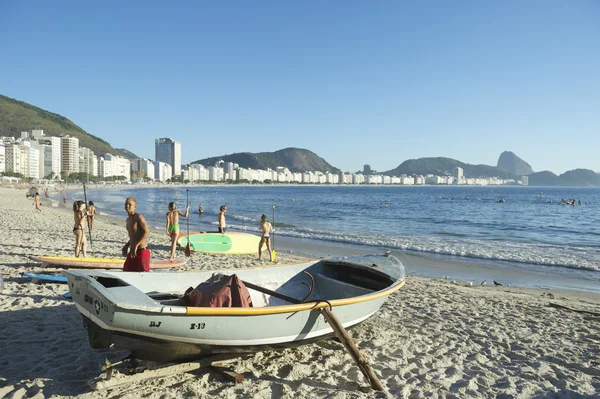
(99,263)
(228,243)
(44,278)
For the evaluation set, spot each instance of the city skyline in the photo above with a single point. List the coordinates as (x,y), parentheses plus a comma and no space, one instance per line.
(353,82)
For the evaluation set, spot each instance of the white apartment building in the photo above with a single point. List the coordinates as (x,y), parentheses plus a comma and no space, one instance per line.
(162,171)
(88,162)
(32,164)
(144,168)
(202,173)
(17,158)
(2,157)
(169,151)
(56,144)
(215,173)
(69,155)
(112,165)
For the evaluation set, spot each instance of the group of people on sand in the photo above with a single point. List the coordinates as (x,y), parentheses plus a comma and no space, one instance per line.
(136,251)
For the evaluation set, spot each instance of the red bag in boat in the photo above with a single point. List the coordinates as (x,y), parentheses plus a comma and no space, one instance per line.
(228,292)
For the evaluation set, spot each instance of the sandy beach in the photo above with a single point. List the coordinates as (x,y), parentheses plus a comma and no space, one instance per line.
(433,338)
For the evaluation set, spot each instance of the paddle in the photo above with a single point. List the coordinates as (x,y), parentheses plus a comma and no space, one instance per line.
(337,327)
(88,220)
(187,247)
(273,253)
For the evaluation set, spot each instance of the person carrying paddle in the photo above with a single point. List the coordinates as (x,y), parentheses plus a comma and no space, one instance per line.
(266,228)
(136,251)
(173,225)
(79,217)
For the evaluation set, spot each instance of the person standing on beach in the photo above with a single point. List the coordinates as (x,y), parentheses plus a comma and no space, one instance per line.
(266,228)
(136,251)
(222,224)
(91,212)
(173,224)
(37,202)
(79,217)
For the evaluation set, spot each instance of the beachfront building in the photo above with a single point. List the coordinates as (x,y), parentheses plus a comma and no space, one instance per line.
(169,151)
(17,158)
(458,174)
(358,178)
(114,166)
(215,173)
(88,162)
(45,159)
(162,171)
(525,180)
(32,165)
(2,158)
(142,168)
(69,155)
(201,172)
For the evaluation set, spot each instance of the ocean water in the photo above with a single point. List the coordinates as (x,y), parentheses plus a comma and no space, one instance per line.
(529,229)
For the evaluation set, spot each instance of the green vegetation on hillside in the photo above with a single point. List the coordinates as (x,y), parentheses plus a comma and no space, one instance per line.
(443,167)
(17,116)
(295,159)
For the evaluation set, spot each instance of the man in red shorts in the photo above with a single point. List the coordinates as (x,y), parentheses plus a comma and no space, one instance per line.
(136,251)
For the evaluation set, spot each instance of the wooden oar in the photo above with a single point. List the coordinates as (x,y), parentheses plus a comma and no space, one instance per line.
(187,247)
(87,217)
(274,254)
(340,332)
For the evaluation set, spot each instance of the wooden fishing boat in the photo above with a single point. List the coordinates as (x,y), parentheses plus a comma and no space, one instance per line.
(144,312)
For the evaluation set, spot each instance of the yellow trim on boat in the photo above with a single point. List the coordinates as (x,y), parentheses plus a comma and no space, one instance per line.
(87,260)
(293,307)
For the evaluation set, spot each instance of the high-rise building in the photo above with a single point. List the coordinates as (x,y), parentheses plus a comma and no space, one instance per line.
(113,166)
(87,161)
(458,174)
(69,155)
(367,169)
(169,151)
(2,158)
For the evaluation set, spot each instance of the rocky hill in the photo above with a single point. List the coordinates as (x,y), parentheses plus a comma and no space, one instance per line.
(443,167)
(17,116)
(295,159)
(512,163)
(573,178)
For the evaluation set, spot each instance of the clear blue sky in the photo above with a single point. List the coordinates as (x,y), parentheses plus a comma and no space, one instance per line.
(369,82)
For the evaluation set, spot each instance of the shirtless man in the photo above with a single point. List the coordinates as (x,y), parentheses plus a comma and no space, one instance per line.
(91,212)
(136,251)
(222,224)
(266,228)
(173,225)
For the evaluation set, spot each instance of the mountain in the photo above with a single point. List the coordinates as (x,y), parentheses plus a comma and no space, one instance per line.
(444,166)
(572,178)
(509,161)
(17,116)
(127,154)
(295,159)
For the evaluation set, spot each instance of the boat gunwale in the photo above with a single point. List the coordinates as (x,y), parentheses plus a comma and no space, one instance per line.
(263,310)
